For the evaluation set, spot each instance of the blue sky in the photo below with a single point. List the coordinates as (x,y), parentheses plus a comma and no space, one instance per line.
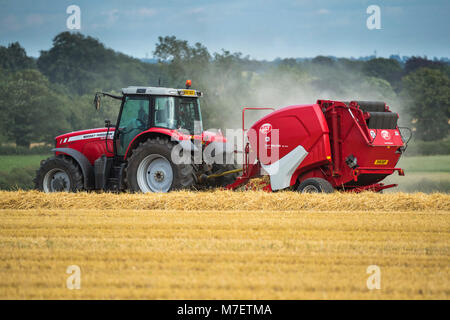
(261,29)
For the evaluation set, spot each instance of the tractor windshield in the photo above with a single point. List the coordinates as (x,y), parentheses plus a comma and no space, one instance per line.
(177,113)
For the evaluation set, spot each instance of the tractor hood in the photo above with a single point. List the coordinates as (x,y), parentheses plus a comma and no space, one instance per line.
(100,134)
(90,134)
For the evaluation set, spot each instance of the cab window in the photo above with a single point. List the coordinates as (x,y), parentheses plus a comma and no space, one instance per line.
(134,119)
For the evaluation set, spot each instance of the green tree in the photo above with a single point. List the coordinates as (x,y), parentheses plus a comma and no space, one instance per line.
(415,63)
(173,49)
(181,61)
(427,99)
(14,58)
(226,82)
(376,89)
(82,114)
(324,61)
(74,60)
(387,69)
(84,65)
(31,111)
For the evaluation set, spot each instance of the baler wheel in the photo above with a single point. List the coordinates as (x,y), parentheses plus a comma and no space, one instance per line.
(315,185)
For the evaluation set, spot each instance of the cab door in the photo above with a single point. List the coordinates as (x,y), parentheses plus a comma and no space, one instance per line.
(134,119)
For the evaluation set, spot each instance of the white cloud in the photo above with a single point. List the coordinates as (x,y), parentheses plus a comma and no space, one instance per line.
(196,10)
(11,23)
(15,23)
(112,15)
(126,17)
(35,19)
(323,11)
(394,10)
(146,12)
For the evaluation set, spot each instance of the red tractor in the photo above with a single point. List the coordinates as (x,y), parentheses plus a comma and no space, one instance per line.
(153,125)
(349,146)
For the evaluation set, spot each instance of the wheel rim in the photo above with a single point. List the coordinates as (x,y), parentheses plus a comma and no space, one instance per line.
(56,180)
(310,189)
(155,174)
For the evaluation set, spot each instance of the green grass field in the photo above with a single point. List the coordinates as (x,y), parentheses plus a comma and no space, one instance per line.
(425,163)
(7,163)
(423,173)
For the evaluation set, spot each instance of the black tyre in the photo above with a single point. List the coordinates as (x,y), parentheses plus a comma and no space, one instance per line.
(315,185)
(59,174)
(150,169)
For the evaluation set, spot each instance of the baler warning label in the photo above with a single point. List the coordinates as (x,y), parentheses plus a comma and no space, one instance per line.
(381,161)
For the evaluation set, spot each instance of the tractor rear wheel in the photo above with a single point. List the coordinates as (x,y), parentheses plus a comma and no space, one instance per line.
(315,185)
(150,168)
(59,174)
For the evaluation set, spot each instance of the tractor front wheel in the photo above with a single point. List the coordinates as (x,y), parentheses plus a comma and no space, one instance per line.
(59,174)
(315,185)
(150,168)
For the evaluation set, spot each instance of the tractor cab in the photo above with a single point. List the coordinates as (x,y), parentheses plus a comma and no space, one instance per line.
(158,109)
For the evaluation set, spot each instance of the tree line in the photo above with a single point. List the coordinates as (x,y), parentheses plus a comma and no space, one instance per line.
(41,98)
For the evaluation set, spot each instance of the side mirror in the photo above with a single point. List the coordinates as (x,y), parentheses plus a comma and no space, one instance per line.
(97,101)
(107,123)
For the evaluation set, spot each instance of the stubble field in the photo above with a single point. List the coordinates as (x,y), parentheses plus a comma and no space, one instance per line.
(224,245)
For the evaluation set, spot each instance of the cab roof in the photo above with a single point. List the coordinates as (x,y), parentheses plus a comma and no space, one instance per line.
(161,91)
